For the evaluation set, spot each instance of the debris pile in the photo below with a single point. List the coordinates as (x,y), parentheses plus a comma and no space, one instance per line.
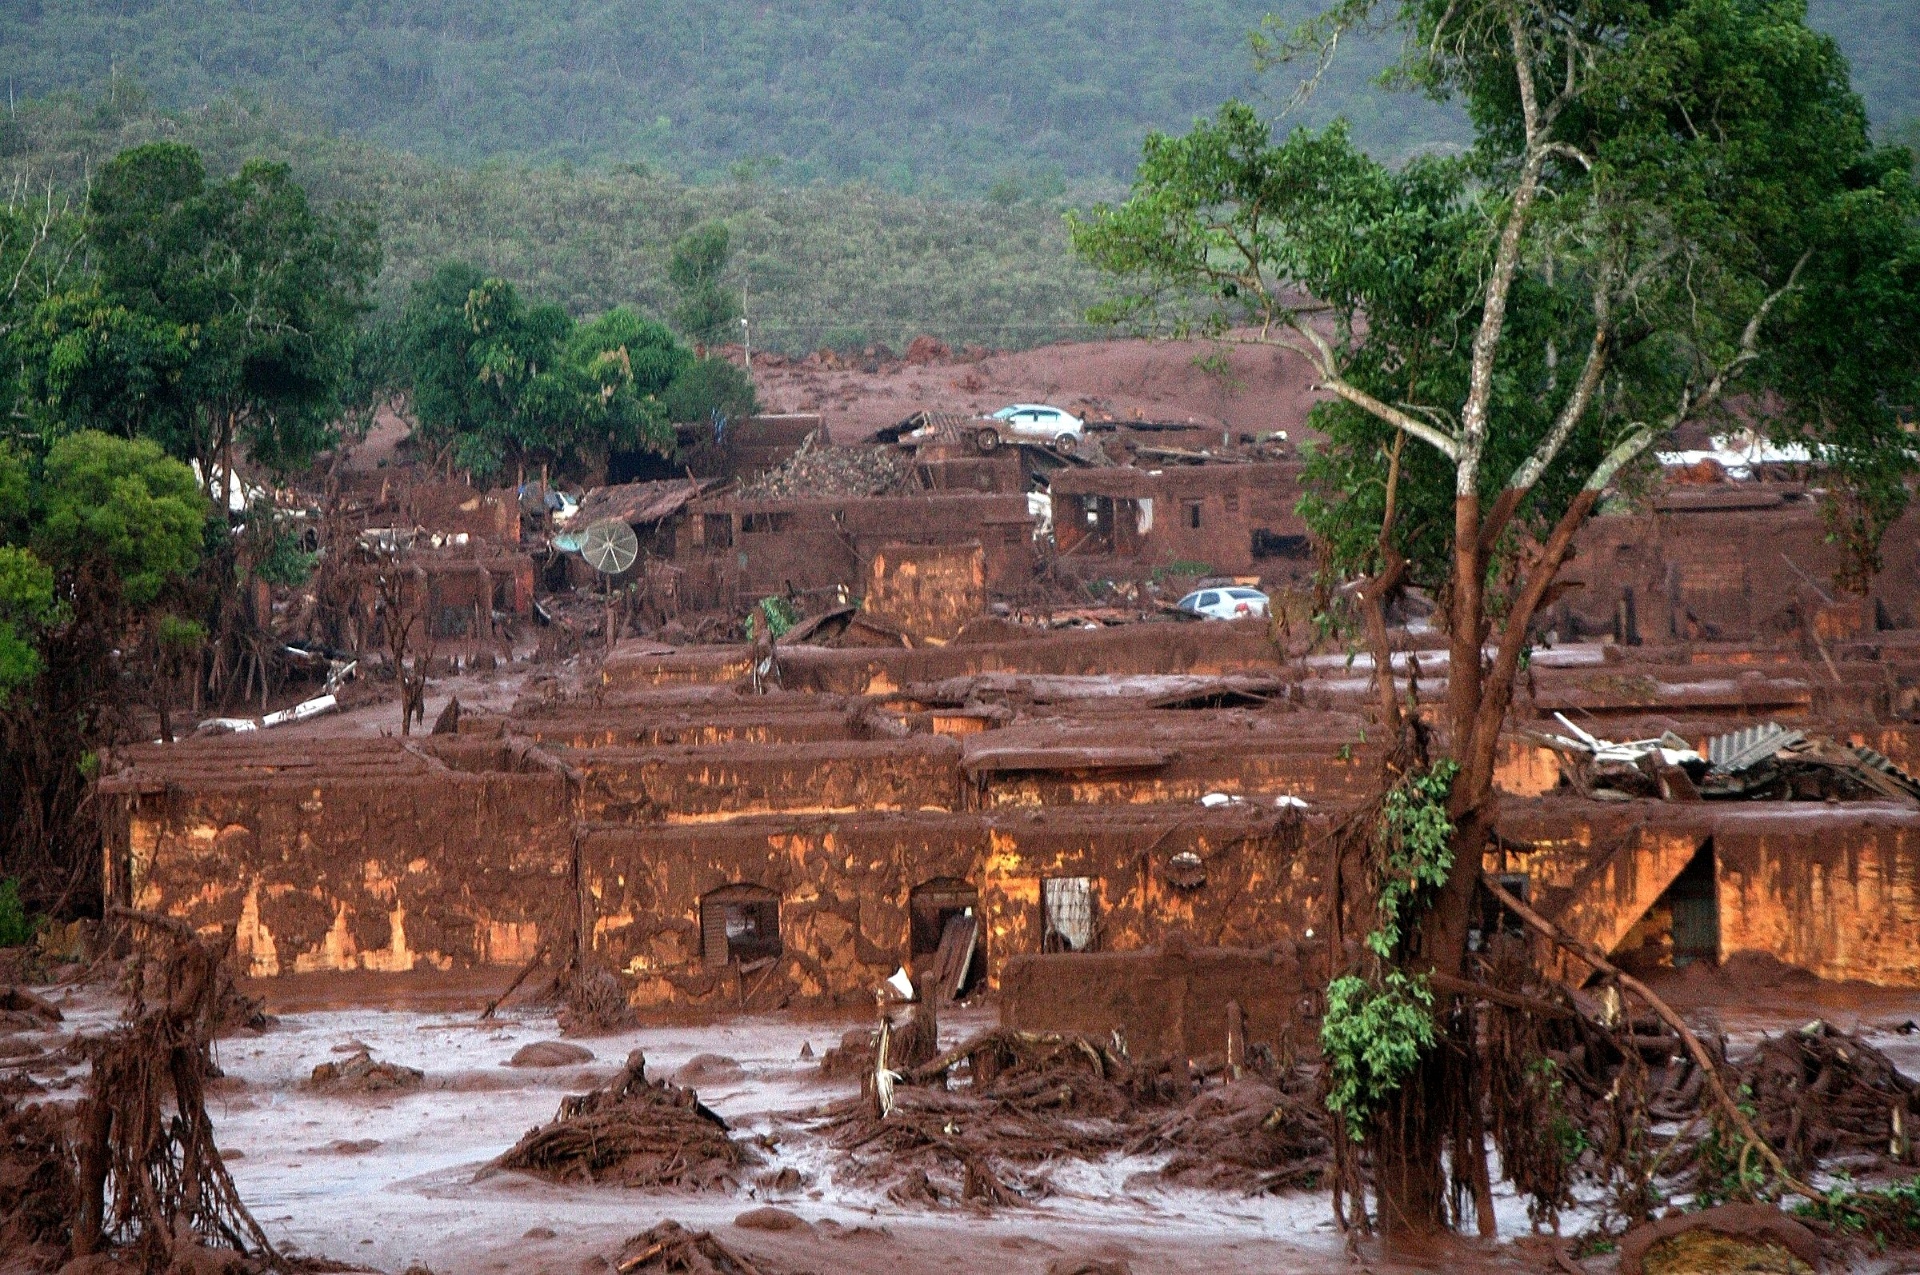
(593,1001)
(1248,1136)
(1769,763)
(1029,1099)
(360,1072)
(671,1247)
(819,470)
(39,1193)
(634,1132)
(1825,1098)
(151,1180)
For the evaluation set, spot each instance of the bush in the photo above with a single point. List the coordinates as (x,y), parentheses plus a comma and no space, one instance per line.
(16,927)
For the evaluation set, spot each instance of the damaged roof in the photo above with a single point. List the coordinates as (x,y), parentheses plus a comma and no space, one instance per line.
(638,503)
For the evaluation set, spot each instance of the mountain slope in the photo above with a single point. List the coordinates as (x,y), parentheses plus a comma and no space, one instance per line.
(912,95)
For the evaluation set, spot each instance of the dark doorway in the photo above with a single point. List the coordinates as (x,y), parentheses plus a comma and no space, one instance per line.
(739,923)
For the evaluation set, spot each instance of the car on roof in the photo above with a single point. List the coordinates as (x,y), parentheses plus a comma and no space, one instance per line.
(1034,421)
(1224,602)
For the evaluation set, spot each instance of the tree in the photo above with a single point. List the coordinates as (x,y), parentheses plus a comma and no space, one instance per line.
(235,300)
(708,309)
(1661,211)
(500,384)
(98,536)
(711,388)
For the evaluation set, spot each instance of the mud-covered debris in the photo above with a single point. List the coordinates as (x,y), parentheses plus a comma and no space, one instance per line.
(1028,1099)
(38,1190)
(550,1053)
(22,1010)
(1819,1093)
(671,1247)
(360,1072)
(1732,1237)
(1247,1136)
(635,1132)
(709,1070)
(820,469)
(593,1002)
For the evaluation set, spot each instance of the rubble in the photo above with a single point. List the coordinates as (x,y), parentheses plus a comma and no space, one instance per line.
(821,470)
(671,1248)
(360,1072)
(634,1132)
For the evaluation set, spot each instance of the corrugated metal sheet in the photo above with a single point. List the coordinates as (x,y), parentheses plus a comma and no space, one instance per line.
(1738,750)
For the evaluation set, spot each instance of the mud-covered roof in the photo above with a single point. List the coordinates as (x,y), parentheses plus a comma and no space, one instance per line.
(637,503)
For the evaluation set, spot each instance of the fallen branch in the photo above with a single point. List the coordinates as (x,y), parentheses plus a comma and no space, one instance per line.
(1593,956)
(532,964)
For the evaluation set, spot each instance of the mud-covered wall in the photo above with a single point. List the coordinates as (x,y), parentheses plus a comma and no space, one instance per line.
(1734,562)
(929,591)
(1834,889)
(1169,1000)
(844,886)
(402,865)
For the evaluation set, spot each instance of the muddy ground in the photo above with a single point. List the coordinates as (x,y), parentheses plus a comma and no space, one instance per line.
(396,1178)
(1242,388)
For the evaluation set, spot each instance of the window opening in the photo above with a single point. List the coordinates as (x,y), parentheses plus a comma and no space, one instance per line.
(739,923)
(1067,905)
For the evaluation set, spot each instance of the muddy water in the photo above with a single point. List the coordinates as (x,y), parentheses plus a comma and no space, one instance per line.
(394,1179)
(390,1180)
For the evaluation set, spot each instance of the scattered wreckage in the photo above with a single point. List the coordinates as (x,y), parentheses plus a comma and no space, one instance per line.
(1757,763)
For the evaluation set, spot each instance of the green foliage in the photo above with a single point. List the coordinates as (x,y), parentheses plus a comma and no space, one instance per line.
(1721,157)
(226,311)
(1413,850)
(1378,1026)
(1730,1167)
(275,549)
(178,635)
(1373,1036)
(857,263)
(1888,1215)
(708,388)
(26,604)
(16,927)
(501,382)
(707,309)
(921,97)
(122,505)
(780,614)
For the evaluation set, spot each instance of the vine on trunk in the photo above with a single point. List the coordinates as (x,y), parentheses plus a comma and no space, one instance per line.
(1379,1021)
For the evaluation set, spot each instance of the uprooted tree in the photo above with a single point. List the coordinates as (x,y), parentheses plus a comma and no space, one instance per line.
(1672,213)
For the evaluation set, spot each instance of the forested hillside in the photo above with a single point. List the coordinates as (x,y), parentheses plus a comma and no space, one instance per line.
(949,97)
(836,265)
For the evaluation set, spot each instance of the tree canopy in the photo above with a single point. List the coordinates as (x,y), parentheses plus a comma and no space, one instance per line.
(505,384)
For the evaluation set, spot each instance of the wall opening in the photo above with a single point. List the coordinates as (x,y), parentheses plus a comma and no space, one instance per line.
(1682,926)
(1190,509)
(1067,917)
(739,923)
(945,937)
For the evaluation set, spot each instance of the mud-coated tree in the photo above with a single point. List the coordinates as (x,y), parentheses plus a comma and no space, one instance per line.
(1669,208)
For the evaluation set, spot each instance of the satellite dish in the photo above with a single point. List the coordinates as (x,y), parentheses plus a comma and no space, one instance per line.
(610,546)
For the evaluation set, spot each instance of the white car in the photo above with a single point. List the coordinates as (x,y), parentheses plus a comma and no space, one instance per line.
(1037,421)
(1225,603)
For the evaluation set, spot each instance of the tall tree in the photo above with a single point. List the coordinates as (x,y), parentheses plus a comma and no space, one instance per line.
(1663,209)
(98,536)
(708,310)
